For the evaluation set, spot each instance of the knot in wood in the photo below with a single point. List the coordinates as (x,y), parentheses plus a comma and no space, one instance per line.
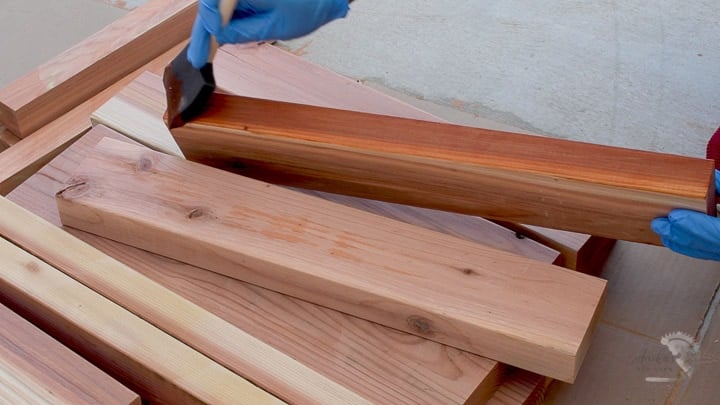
(76,187)
(196,213)
(32,267)
(144,164)
(420,325)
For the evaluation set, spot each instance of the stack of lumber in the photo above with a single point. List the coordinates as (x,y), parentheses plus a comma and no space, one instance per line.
(186,283)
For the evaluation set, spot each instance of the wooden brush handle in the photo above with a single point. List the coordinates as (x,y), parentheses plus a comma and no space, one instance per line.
(226,7)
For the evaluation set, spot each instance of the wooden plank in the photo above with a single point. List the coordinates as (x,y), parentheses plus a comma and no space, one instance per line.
(594,189)
(581,252)
(382,364)
(196,327)
(137,110)
(157,366)
(34,363)
(463,226)
(426,283)
(56,87)
(264,71)
(268,72)
(28,155)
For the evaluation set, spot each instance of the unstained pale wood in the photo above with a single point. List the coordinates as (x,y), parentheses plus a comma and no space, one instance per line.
(382,364)
(56,87)
(430,284)
(157,366)
(594,189)
(33,364)
(191,324)
(521,388)
(31,153)
(136,111)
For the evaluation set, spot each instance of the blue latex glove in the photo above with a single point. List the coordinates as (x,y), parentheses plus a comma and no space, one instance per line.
(259,20)
(691,233)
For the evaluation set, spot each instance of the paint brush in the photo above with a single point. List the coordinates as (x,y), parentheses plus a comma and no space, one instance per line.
(188,89)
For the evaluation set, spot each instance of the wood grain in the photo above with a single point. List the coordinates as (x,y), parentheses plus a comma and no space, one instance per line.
(56,87)
(594,189)
(268,72)
(35,366)
(227,345)
(27,156)
(426,283)
(7,139)
(157,366)
(383,364)
(137,112)
(523,388)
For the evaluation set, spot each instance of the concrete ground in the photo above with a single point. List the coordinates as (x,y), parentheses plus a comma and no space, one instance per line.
(629,73)
(642,74)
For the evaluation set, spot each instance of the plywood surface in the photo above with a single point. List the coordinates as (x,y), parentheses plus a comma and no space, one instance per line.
(381,363)
(152,363)
(56,87)
(593,189)
(426,283)
(36,368)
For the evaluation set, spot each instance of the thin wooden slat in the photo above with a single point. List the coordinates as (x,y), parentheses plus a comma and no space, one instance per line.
(267,72)
(56,87)
(382,364)
(136,111)
(44,368)
(196,327)
(157,366)
(581,252)
(426,283)
(31,153)
(594,189)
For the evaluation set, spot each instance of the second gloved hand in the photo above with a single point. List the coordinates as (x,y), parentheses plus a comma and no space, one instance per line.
(260,20)
(691,233)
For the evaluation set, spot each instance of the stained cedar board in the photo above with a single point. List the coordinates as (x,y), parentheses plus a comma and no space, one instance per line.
(79,73)
(28,155)
(381,363)
(38,366)
(426,283)
(150,362)
(594,189)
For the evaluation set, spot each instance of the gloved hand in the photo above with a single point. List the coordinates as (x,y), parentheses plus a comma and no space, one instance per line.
(691,233)
(259,20)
